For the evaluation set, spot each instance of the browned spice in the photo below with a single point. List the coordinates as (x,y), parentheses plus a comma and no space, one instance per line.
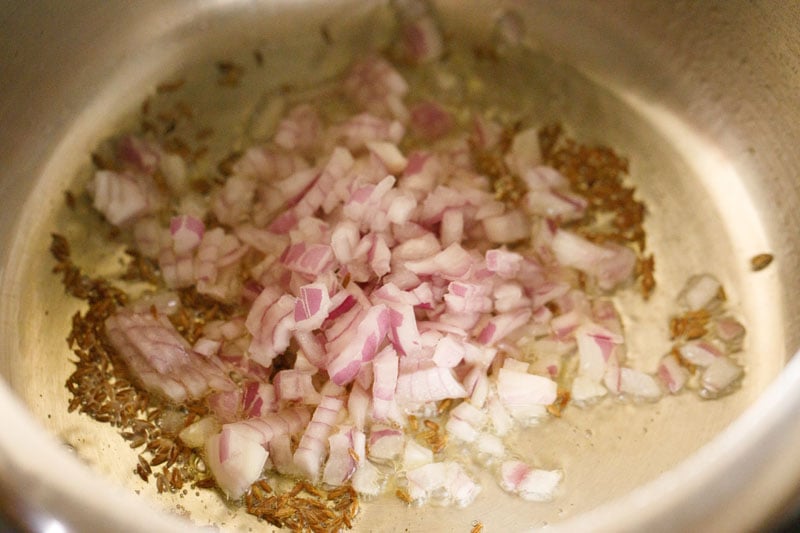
(676,353)
(645,268)
(477,527)
(690,325)
(760,262)
(595,172)
(69,199)
(444,406)
(598,174)
(507,187)
(403,495)
(225,167)
(170,86)
(304,507)
(140,268)
(430,424)
(562,399)
(101,386)
(204,133)
(229,73)
(433,435)
(258,57)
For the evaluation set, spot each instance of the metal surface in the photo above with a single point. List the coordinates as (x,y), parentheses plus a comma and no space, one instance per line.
(702,97)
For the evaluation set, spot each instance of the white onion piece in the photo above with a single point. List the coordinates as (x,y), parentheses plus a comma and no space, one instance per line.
(502,262)
(501,325)
(265,163)
(164,302)
(385,443)
(235,460)
(121,198)
(515,365)
(173,167)
(149,236)
(465,422)
(498,415)
(672,374)
(232,203)
(510,297)
(341,464)
(610,265)
(524,153)
(355,132)
(700,291)
(585,389)
(311,307)
(446,482)
(541,178)
(637,383)
(700,352)
(313,444)
(375,85)
(428,385)
(384,368)
(451,263)
(216,265)
(477,385)
(390,155)
(290,421)
(531,484)
(272,330)
(196,434)
(595,346)
(187,232)
(367,479)
(507,228)
(293,385)
(462,297)
(490,445)
(720,375)
(362,346)
(416,455)
(139,154)
(525,395)
(729,330)
(299,130)
(448,352)
(560,205)
(358,406)
(258,399)
(225,404)
(161,358)
(280,454)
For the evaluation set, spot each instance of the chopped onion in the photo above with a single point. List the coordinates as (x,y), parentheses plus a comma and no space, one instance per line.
(719,375)
(367,284)
(700,291)
(447,482)
(235,460)
(531,484)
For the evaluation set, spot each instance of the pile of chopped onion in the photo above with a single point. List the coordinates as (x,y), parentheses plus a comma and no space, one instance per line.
(397,282)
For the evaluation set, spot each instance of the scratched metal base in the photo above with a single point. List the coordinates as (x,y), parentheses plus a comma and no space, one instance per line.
(700,171)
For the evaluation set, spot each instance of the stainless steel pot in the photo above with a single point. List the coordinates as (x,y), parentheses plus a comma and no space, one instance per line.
(704,97)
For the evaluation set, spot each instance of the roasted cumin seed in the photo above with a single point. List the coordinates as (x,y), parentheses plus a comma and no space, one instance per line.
(760,262)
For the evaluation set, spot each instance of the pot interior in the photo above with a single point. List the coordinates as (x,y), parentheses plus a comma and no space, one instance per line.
(710,209)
